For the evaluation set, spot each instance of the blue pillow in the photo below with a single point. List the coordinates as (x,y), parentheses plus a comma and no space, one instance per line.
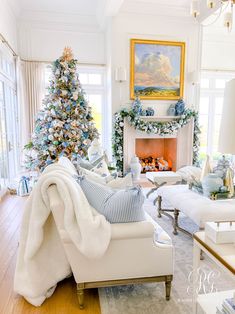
(118,206)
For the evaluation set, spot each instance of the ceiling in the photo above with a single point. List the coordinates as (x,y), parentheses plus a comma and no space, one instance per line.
(82,7)
(181,3)
(157,7)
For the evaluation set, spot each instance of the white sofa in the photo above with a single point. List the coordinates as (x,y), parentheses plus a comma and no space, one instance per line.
(133,255)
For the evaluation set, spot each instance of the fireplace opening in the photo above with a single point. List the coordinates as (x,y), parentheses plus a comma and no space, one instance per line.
(157,154)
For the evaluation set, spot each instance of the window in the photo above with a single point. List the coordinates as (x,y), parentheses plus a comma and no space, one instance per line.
(9,127)
(93,83)
(210,110)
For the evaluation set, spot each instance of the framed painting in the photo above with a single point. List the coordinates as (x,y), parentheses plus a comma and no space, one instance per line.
(157,69)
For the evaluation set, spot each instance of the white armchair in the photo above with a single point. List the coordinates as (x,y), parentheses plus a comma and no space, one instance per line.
(133,256)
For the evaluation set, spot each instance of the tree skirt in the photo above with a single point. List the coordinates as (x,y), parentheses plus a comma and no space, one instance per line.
(150,298)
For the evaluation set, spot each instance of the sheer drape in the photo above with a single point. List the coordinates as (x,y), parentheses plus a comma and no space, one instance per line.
(32,87)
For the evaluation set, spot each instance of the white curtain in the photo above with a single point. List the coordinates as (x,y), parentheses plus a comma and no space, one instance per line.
(31,87)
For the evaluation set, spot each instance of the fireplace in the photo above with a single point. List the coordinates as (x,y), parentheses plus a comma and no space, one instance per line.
(157,154)
(177,148)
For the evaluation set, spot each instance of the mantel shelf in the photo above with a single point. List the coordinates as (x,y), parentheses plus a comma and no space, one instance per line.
(160,117)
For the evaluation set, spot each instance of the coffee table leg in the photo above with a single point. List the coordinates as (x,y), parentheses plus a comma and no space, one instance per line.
(175,221)
(159,208)
(151,191)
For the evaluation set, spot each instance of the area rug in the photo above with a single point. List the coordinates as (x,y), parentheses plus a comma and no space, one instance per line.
(150,298)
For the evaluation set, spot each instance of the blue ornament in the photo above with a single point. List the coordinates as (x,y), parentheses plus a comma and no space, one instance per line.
(179,107)
(65,144)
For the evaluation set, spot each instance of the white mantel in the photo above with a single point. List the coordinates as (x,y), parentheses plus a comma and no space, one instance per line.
(184,141)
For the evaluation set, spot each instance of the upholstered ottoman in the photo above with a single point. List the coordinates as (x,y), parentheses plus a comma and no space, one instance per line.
(161,178)
(194,205)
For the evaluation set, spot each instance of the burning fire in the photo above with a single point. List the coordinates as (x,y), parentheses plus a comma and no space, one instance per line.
(155,164)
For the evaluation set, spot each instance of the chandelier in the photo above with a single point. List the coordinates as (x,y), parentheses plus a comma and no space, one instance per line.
(223,5)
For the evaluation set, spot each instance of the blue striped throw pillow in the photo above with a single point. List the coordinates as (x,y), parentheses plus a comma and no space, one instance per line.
(118,206)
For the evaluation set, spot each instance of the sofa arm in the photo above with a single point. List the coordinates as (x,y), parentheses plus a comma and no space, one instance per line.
(142,229)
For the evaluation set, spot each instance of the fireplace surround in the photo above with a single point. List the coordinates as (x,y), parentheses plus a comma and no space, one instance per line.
(176,149)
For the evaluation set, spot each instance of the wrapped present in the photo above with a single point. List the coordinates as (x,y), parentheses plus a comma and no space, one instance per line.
(23,187)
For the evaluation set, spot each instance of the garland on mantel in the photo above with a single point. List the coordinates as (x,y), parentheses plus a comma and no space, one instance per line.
(152,127)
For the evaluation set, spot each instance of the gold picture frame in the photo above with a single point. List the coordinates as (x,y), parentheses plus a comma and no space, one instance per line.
(157,69)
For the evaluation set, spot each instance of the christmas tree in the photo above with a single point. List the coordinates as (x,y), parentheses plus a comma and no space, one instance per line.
(64,126)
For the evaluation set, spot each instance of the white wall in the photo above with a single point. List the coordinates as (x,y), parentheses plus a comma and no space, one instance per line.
(127,26)
(8,24)
(44,41)
(41,38)
(218,48)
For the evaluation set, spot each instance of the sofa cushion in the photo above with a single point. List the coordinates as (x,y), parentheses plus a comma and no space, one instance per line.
(124,205)
(84,163)
(91,175)
(121,183)
(111,181)
(101,168)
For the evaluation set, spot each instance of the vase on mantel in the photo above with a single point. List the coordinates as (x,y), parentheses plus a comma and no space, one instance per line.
(135,168)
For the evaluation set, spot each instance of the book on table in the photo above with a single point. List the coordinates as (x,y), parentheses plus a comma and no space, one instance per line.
(229,306)
(219,310)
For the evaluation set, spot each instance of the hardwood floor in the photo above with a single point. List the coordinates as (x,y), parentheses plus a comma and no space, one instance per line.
(63,301)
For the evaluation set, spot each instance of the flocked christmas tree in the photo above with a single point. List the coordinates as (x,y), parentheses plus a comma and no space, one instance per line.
(64,126)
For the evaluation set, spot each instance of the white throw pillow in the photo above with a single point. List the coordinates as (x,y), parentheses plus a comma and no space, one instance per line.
(121,183)
(92,175)
(101,168)
(115,183)
(188,172)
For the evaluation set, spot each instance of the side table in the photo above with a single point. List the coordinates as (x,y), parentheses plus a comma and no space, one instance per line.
(222,254)
(207,303)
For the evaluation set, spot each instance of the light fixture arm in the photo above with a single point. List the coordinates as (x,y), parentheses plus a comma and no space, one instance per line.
(224,4)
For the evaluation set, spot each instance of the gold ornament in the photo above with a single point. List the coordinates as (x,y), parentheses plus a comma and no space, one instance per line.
(67,54)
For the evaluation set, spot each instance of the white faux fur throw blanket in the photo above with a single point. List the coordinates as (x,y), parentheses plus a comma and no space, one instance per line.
(41,261)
